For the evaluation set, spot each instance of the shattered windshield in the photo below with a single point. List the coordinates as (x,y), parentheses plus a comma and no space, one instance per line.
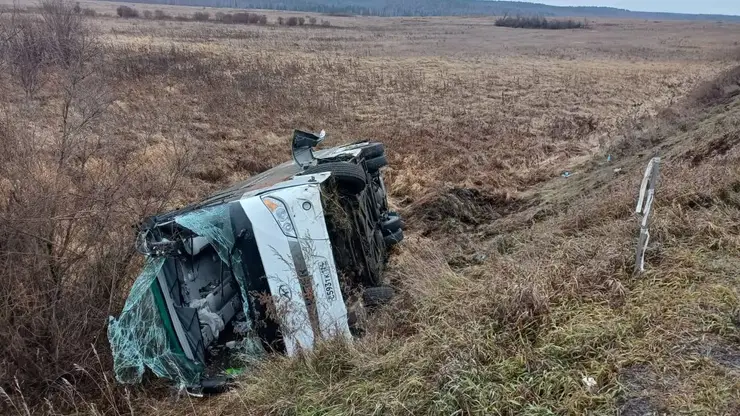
(179,304)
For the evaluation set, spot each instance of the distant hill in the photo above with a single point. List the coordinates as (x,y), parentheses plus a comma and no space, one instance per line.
(439,8)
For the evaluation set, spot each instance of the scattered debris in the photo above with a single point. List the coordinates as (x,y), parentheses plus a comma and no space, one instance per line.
(590,383)
(233,372)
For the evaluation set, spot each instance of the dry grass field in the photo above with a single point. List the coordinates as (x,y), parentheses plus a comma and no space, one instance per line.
(515,282)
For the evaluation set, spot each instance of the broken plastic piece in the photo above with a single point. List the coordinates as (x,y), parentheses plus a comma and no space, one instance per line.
(590,383)
(233,372)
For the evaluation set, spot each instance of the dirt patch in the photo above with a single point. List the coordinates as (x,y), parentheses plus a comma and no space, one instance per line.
(572,127)
(638,381)
(719,350)
(726,355)
(637,406)
(460,209)
(714,148)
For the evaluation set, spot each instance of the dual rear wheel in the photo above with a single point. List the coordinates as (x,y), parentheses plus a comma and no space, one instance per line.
(351,179)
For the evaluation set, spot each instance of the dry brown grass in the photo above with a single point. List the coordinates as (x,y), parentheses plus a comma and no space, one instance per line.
(515,283)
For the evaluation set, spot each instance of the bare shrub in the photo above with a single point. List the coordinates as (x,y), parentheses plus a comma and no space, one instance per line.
(91,12)
(25,51)
(201,16)
(127,12)
(325,23)
(242,18)
(301,21)
(148,14)
(58,38)
(719,89)
(536,22)
(312,21)
(67,196)
(292,21)
(262,19)
(254,18)
(160,15)
(48,218)
(281,20)
(70,41)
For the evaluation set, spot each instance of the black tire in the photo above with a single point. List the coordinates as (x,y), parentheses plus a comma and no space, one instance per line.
(376,296)
(394,238)
(349,177)
(374,164)
(373,150)
(211,387)
(392,224)
(376,260)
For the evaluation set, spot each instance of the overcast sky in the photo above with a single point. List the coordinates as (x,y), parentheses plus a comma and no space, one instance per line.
(675,6)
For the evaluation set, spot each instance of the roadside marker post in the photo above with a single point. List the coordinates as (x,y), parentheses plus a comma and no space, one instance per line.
(643,209)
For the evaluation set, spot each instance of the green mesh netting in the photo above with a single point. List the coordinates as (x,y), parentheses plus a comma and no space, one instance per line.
(139,337)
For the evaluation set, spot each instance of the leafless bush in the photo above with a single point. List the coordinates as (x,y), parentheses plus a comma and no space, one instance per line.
(241,18)
(90,12)
(66,198)
(301,21)
(281,20)
(312,21)
(292,21)
(70,41)
(25,50)
(201,16)
(325,23)
(718,90)
(127,12)
(58,38)
(148,14)
(536,22)
(160,15)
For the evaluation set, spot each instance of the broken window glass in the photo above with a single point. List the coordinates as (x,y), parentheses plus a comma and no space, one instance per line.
(178,304)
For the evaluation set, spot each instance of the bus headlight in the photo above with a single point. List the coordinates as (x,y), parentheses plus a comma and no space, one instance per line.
(281,215)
